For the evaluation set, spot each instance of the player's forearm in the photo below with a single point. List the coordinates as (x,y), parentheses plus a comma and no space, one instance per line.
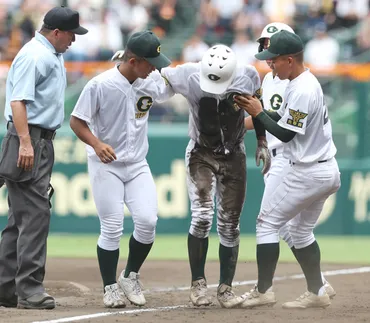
(248,123)
(19,117)
(273,115)
(272,127)
(82,131)
(259,129)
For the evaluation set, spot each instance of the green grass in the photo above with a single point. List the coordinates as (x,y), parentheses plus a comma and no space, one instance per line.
(334,249)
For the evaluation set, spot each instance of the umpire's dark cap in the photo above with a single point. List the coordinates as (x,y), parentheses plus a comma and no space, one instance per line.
(147,45)
(281,43)
(65,19)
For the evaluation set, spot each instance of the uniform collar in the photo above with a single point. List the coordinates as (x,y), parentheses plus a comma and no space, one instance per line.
(307,70)
(43,40)
(123,78)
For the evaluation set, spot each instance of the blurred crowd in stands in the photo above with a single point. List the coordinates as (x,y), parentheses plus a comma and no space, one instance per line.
(194,25)
(333,30)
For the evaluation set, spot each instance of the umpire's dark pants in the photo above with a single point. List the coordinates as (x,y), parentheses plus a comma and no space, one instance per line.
(23,241)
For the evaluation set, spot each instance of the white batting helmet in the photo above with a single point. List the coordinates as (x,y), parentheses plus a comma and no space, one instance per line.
(217,69)
(273,28)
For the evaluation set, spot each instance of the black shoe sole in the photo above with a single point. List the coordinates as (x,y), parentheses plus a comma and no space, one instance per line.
(9,305)
(42,306)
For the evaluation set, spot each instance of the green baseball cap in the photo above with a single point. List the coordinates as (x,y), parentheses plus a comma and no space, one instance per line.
(281,43)
(147,45)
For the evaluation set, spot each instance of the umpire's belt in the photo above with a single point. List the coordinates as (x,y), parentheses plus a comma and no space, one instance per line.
(36,132)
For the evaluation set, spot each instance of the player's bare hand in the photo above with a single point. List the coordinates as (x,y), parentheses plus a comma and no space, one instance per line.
(249,103)
(105,152)
(117,55)
(26,153)
(262,153)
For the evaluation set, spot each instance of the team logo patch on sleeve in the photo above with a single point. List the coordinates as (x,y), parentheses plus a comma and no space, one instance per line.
(297,116)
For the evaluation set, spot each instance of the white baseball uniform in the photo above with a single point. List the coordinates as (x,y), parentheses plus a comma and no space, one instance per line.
(117,113)
(212,174)
(312,175)
(273,91)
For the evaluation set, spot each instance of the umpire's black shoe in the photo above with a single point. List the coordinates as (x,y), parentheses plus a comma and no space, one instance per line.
(9,302)
(38,302)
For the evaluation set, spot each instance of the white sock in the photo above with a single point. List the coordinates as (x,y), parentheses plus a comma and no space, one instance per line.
(322,291)
(323,279)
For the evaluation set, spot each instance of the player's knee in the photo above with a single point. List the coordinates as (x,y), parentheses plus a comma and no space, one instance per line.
(145,236)
(285,235)
(150,223)
(287,239)
(109,239)
(228,229)
(229,238)
(110,231)
(266,233)
(145,229)
(200,227)
(304,241)
(301,238)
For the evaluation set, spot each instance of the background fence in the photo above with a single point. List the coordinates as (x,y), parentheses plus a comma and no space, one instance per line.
(346,212)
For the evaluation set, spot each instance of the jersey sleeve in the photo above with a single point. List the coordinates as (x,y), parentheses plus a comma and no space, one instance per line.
(295,113)
(247,81)
(178,76)
(87,104)
(163,89)
(26,75)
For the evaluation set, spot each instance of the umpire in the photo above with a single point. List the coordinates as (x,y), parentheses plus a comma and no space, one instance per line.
(34,109)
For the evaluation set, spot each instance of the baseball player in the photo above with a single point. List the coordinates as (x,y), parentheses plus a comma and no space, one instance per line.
(111,117)
(215,160)
(273,90)
(312,175)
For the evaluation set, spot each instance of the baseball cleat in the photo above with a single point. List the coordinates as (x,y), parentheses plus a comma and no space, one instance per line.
(131,287)
(198,293)
(254,298)
(227,298)
(308,299)
(329,290)
(112,297)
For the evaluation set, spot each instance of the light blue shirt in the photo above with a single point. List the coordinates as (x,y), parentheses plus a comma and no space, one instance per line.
(38,76)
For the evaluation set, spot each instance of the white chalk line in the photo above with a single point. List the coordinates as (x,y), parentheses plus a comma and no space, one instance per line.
(337,272)
(97,315)
(280,278)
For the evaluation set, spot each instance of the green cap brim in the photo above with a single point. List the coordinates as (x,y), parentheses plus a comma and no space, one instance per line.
(159,62)
(265,54)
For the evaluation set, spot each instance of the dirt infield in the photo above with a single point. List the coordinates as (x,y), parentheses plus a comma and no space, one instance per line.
(77,287)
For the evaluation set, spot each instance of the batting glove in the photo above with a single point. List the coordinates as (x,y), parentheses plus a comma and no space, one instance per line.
(262,153)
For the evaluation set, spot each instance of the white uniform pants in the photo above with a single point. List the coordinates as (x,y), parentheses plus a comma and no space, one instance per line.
(272,180)
(116,184)
(299,197)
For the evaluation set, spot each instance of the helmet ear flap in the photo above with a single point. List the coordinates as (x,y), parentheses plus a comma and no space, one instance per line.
(261,46)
